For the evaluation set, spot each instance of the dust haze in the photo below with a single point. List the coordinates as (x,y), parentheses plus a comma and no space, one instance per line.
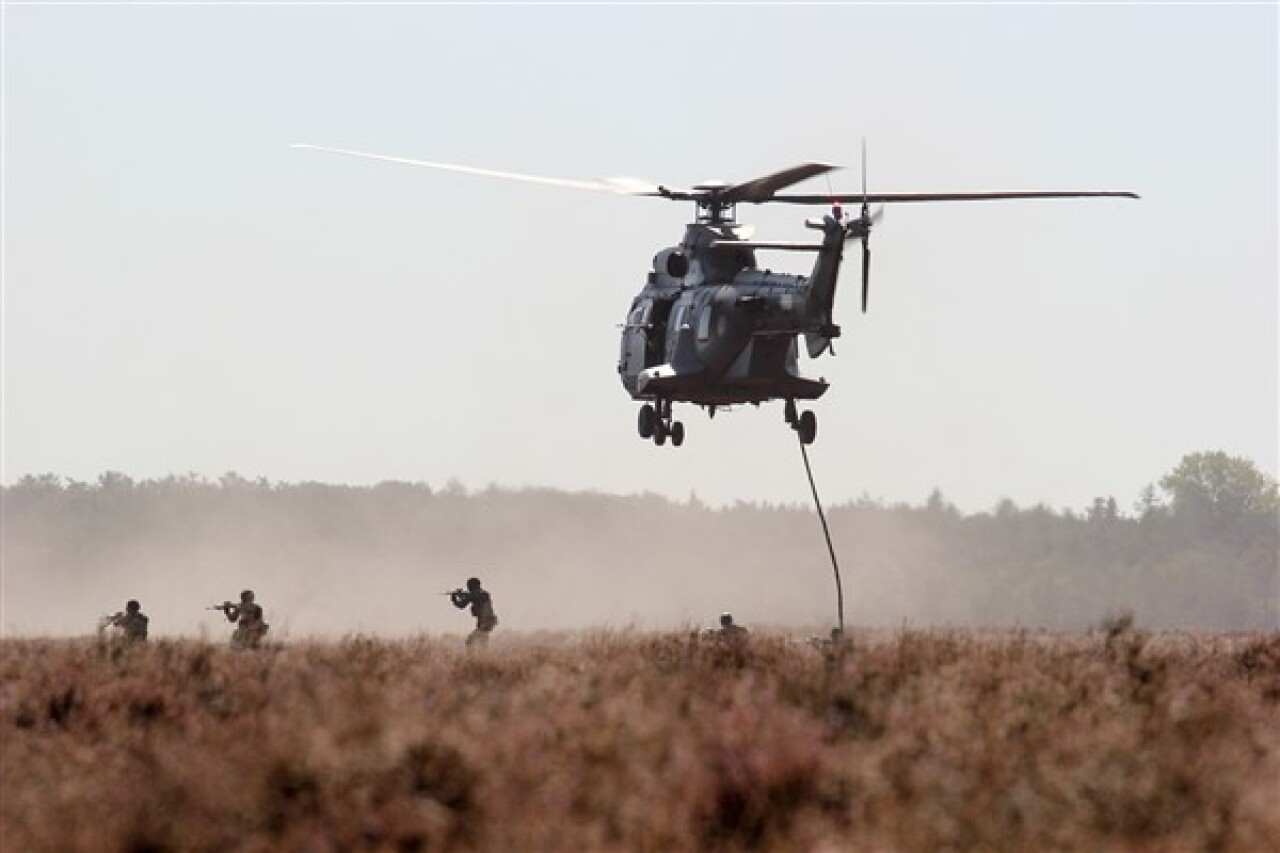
(330,560)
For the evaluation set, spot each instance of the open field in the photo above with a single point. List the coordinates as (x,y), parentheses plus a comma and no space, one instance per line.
(915,740)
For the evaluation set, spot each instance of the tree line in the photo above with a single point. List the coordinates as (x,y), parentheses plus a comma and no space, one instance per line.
(1197,550)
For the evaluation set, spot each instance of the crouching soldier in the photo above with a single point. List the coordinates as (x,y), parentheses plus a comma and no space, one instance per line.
(481,604)
(730,630)
(131,624)
(248,619)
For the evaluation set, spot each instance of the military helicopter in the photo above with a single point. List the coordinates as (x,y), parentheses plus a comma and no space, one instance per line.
(709,326)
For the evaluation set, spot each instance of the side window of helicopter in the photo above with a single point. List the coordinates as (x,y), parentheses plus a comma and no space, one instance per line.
(639,316)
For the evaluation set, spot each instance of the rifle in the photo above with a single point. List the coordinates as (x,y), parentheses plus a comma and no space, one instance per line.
(224,606)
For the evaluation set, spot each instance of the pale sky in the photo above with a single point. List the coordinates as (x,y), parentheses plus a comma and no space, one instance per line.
(183,292)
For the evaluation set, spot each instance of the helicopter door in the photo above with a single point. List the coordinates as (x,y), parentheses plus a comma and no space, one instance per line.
(657,333)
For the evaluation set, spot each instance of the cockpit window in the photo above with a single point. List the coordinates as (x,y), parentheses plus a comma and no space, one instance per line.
(639,315)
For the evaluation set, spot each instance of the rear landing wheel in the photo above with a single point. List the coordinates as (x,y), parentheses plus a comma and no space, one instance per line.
(807,426)
(659,433)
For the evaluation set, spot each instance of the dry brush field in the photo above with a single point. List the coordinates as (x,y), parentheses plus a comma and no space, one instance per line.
(908,740)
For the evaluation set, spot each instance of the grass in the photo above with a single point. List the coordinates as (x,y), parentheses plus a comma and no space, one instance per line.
(909,740)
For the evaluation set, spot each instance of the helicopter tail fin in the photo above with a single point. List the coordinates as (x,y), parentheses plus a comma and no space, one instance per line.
(822,288)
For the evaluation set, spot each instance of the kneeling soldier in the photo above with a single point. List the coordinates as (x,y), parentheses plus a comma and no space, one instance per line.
(132,623)
(247,616)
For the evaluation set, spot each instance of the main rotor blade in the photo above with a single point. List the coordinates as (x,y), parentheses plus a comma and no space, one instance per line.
(894,198)
(621,186)
(763,189)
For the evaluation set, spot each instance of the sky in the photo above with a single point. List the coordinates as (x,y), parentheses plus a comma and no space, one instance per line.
(185,292)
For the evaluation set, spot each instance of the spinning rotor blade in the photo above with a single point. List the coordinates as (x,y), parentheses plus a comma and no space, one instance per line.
(756,191)
(762,189)
(621,186)
(894,198)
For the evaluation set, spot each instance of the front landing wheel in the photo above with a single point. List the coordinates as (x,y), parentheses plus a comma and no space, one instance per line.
(677,434)
(659,433)
(646,420)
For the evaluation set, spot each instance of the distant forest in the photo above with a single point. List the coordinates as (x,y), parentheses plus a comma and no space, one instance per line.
(1199,550)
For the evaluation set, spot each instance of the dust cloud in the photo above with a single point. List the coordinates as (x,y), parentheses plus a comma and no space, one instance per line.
(327,561)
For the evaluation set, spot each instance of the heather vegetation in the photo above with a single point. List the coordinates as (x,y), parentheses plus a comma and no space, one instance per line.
(1197,550)
(1051,706)
(1115,739)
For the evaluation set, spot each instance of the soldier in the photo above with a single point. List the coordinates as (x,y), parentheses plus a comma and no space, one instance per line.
(132,623)
(481,608)
(730,630)
(247,616)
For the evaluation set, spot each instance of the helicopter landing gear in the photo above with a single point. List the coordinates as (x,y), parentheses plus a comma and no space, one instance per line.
(646,421)
(807,426)
(806,423)
(677,434)
(655,422)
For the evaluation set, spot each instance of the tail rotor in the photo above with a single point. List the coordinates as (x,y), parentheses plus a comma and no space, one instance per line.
(863,230)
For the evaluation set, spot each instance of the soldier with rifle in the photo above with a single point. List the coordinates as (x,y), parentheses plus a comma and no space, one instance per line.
(132,623)
(248,619)
(730,630)
(481,604)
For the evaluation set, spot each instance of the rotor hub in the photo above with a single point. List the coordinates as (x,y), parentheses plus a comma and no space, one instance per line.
(714,211)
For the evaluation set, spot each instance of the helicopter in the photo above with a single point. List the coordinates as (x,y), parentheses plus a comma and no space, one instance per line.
(710,327)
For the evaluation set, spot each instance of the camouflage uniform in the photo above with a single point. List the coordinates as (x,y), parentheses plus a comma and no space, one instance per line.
(132,623)
(481,604)
(730,630)
(250,625)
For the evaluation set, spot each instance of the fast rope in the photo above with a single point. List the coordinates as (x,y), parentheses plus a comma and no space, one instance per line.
(826,531)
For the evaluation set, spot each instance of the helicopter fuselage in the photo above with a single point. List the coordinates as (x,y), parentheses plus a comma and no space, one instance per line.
(717,343)
(711,328)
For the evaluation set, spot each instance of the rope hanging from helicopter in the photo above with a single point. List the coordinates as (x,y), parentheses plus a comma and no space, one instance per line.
(826,532)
